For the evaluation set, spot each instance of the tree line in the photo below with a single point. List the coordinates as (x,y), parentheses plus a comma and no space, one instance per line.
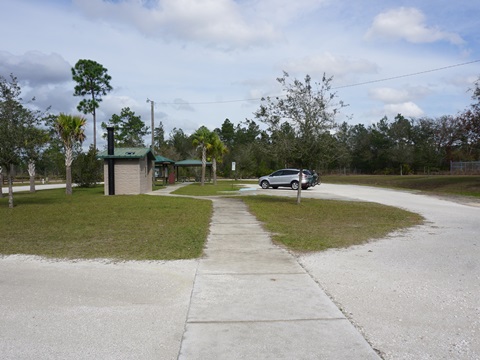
(388,146)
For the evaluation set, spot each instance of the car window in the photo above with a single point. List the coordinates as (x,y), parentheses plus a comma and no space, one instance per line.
(291,172)
(277,173)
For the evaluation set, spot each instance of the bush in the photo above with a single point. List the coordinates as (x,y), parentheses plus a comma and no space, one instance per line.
(87,169)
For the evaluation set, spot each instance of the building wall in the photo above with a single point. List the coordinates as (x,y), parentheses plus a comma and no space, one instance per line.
(132,176)
(146,175)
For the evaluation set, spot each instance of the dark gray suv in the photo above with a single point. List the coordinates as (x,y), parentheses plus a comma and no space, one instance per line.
(285,178)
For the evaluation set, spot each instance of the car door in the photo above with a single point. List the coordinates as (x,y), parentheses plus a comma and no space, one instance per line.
(288,176)
(275,178)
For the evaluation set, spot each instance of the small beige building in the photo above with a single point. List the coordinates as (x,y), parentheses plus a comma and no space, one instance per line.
(133,170)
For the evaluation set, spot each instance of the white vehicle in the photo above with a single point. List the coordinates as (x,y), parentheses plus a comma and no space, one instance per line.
(286,178)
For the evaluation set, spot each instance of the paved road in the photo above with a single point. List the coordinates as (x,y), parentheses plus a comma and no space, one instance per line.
(92,309)
(416,293)
(37,187)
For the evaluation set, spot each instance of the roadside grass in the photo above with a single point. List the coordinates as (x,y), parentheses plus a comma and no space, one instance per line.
(90,225)
(317,225)
(221,188)
(464,185)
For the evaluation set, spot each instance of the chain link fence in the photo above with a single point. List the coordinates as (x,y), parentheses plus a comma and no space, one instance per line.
(465,167)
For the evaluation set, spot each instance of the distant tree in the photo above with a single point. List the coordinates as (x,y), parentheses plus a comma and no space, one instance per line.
(215,151)
(449,135)
(469,120)
(201,140)
(87,169)
(70,129)
(180,145)
(343,146)
(15,120)
(401,136)
(128,128)
(282,139)
(159,138)
(227,133)
(94,82)
(426,149)
(310,109)
(35,140)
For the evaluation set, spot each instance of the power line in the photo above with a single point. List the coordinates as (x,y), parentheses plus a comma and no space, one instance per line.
(406,75)
(335,88)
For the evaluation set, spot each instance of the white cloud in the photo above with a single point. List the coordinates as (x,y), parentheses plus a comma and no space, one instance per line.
(408,24)
(407,109)
(389,95)
(398,96)
(338,66)
(218,23)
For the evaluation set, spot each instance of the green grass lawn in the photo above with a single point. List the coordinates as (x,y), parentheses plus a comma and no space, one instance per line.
(317,225)
(91,225)
(438,184)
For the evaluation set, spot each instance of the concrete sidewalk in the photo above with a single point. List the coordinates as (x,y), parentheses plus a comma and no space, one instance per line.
(252,300)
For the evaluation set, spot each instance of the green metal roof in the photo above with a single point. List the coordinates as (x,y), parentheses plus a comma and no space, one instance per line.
(191,162)
(161,159)
(127,153)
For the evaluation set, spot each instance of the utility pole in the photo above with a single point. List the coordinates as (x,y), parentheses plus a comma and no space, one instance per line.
(152,111)
(152,115)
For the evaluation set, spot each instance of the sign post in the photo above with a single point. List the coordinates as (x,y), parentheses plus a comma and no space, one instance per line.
(234,164)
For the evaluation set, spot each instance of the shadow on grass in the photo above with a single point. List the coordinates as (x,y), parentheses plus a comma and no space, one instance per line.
(52,196)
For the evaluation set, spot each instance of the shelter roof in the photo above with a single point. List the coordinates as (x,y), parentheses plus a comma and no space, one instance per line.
(191,162)
(127,153)
(163,160)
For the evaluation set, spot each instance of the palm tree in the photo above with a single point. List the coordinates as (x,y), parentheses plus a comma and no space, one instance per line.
(201,140)
(70,129)
(216,150)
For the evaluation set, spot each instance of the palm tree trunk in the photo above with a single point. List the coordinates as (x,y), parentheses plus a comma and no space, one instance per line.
(68,166)
(68,187)
(214,168)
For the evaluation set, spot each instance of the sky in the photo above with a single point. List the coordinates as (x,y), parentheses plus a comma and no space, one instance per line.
(203,61)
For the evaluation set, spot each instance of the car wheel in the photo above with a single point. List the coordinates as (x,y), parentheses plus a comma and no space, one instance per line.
(264,184)
(294,185)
